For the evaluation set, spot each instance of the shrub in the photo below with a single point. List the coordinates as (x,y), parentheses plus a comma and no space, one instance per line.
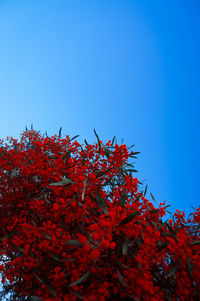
(75,225)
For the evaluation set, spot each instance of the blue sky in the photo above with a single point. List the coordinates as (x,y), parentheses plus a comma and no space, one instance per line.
(126,68)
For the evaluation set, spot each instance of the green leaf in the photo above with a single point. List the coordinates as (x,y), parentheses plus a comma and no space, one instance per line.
(68,204)
(80,279)
(196,242)
(129,218)
(107,151)
(73,242)
(17,248)
(64,181)
(5,236)
(60,131)
(124,247)
(98,140)
(167,298)
(55,258)
(74,137)
(121,279)
(138,197)
(152,197)
(165,234)
(154,211)
(113,139)
(138,242)
(123,198)
(100,174)
(132,170)
(173,272)
(145,190)
(83,159)
(76,295)
(160,227)
(86,142)
(49,286)
(45,235)
(99,201)
(36,298)
(13,173)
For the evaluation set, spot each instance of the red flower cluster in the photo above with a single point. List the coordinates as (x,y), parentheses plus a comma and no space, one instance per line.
(73,225)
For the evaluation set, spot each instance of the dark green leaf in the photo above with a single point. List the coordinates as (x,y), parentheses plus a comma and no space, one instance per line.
(77,295)
(5,236)
(173,272)
(152,197)
(136,153)
(49,285)
(121,279)
(100,174)
(73,242)
(74,137)
(124,247)
(194,243)
(80,279)
(129,218)
(60,131)
(138,242)
(86,142)
(101,202)
(154,211)
(64,181)
(36,298)
(131,170)
(123,198)
(167,298)
(13,173)
(98,140)
(138,197)
(113,139)
(68,204)
(45,235)
(145,190)
(55,258)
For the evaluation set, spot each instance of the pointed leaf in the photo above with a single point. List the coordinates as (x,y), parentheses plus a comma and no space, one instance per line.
(124,247)
(145,190)
(73,242)
(113,139)
(60,131)
(99,201)
(98,140)
(86,142)
(13,173)
(194,243)
(80,279)
(173,272)
(74,137)
(64,181)
(45,235)
(154,211)
(55,258)
(49,285)
(152,197)
(36,298)
(129,218)
(121,279)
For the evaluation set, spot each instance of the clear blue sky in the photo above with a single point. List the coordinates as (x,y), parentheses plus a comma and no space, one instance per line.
(127,68)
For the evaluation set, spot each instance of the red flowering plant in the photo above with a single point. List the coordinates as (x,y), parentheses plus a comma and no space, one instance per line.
(74,225)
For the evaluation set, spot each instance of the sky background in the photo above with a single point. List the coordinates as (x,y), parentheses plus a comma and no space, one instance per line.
(127,68)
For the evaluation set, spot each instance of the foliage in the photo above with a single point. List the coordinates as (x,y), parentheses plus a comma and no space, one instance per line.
(74,225)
